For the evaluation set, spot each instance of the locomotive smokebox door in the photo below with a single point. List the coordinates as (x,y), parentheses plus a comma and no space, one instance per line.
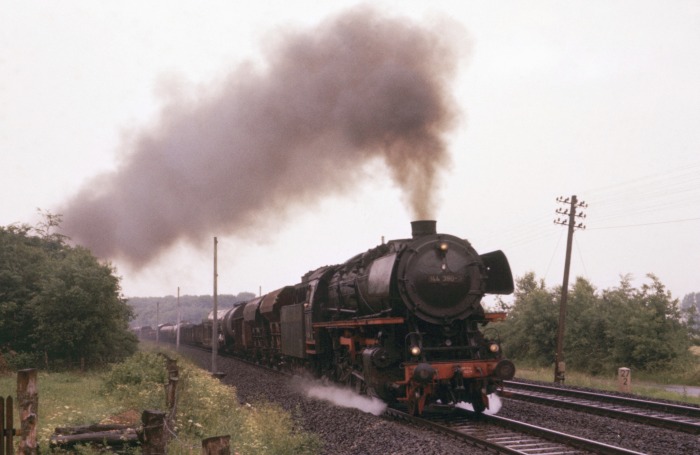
(439,276)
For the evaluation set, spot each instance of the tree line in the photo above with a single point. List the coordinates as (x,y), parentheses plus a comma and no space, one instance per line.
(641,328)
(59,306)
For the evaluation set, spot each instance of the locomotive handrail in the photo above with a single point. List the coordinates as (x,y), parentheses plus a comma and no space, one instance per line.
(375,315)
(358,322)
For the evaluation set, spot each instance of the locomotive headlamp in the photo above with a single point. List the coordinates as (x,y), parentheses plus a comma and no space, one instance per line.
(443,247)
(494,347)
(415,350)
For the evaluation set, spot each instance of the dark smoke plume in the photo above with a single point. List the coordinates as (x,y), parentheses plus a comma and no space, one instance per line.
(265,141)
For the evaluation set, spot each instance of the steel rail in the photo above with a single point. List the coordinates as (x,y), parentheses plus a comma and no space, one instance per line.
(509,436)
(663,415)
(671,408)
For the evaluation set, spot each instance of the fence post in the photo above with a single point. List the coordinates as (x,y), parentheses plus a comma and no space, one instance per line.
(28,403)
(7,429)
(154,437)
(217,445)
(2,426)
(171,389)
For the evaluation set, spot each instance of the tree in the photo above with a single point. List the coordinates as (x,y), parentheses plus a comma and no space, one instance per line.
(80,313)
(22,263)
(586,343)
(691,315)
(690,309)
(530,329)
(645,328)
(59,302)
(638,328)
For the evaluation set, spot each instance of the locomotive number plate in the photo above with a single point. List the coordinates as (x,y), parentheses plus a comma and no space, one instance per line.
(445,278)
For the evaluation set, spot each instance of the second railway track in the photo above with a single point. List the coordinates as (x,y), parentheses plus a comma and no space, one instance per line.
(665,415)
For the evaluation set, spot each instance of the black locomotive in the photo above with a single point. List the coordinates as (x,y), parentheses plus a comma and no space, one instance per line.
(402,321)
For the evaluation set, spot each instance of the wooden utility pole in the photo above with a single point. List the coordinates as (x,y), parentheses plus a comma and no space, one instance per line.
(157,321)
(214,325)
(559,364)
(177,333)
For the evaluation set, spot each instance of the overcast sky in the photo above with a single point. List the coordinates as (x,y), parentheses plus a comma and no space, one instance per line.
(599,99)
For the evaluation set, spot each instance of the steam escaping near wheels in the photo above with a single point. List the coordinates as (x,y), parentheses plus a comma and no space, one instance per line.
(495,404)
(340,396)
(253,147)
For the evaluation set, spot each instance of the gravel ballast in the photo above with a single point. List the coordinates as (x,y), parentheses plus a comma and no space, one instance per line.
(345,430)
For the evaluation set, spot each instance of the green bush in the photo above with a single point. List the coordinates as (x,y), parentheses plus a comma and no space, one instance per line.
(22,360)
(206,408)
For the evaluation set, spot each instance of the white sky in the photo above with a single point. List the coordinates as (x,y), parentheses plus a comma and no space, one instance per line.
(595,98)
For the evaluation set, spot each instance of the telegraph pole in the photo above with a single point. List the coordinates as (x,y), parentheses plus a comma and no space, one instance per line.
(559,364)
(214,327)
(179,321)
(157,321)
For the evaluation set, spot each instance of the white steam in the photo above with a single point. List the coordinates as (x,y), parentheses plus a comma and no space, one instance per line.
(495,404)
(341,396)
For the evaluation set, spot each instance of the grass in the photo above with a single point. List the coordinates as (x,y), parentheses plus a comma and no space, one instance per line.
(65,399)
(685,372)
(645,385)
(206,407)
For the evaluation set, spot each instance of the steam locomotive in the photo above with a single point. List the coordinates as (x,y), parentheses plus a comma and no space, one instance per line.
(402,321)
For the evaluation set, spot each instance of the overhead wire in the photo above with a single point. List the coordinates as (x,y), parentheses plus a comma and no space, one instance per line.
(654,199)
(657,194)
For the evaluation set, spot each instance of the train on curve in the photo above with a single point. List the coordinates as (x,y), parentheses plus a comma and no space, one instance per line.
(402,321)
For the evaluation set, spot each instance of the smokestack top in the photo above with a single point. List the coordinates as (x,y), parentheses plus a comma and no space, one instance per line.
(420,228)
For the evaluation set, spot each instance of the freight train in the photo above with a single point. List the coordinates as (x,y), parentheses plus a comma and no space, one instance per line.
(402,322)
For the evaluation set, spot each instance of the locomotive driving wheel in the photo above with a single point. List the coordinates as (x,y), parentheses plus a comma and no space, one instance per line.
(343,368)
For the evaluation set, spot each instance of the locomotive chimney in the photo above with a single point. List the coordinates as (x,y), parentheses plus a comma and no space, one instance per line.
(423,227)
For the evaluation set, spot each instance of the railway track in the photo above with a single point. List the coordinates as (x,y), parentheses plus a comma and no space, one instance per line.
(504,435)
(664,415)
(501,435)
